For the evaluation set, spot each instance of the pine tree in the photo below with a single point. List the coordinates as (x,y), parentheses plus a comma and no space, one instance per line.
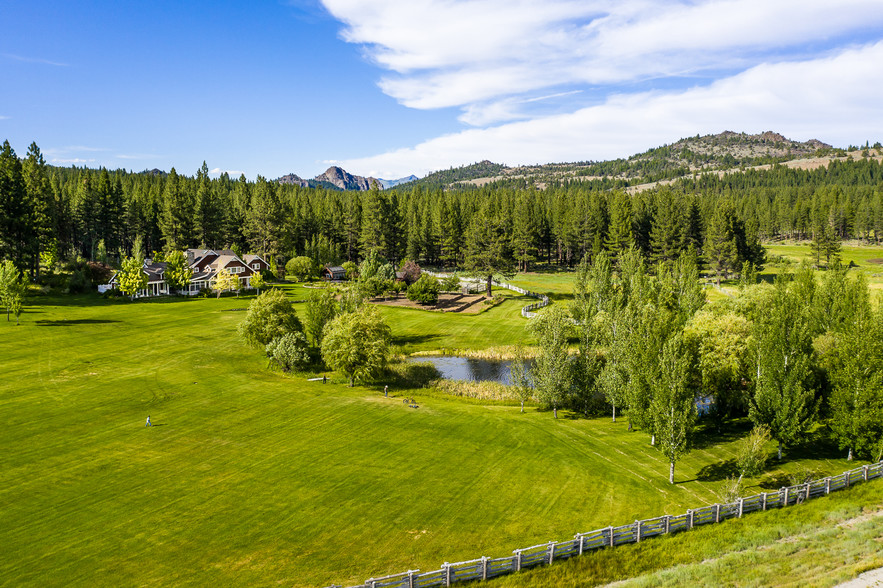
(42,199)
(721,247)
(619,232)
(178,214)
(263,219)
(666,238)
(209,216)
(16,219)
(489,247)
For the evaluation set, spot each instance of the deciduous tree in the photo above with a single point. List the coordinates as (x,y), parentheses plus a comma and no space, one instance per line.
(357,343)
(269,315)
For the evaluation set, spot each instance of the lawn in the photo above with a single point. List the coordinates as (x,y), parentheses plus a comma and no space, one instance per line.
(863,258)
(250,477)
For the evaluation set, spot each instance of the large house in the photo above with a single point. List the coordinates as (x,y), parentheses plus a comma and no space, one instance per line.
(205,263)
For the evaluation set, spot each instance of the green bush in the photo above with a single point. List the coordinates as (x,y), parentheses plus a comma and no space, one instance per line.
(79,282)
(289,351)
(425,290)
(300,268)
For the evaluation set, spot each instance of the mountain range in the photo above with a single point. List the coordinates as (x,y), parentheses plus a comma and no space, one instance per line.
(336,178)
(698,154)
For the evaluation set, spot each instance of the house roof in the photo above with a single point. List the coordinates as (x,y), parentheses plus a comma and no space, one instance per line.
(250,258)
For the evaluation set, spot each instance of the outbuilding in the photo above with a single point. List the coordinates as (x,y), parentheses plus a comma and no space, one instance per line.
(334,273)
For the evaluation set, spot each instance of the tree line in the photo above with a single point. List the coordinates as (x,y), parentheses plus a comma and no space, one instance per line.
(60,213)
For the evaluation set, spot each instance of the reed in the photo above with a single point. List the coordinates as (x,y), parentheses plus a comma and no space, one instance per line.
(501,352)
(479,390)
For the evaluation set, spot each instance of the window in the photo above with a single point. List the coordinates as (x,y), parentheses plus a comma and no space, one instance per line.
(256,267)
(236,269)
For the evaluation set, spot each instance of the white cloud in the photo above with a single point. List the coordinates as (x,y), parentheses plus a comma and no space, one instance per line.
(71,160)
(834,99)
(218,171)
(72,149)
(34,60)
(470,53)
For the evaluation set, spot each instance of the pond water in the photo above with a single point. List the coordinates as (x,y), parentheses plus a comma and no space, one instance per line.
(467,368)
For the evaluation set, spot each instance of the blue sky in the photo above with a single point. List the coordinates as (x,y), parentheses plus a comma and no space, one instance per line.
(389,88)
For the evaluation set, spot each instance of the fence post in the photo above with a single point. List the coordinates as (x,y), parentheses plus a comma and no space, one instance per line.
(786,495)
(447,568)
(741,506)
(579,537)
(865,473)
(808,486)
(371,582)
(611,536)
(517,560)
(411,578)
(847,479)
(667,524)
(483,567)
(717,513)
(551,552)
(690,519)
(828,485)
(637,531)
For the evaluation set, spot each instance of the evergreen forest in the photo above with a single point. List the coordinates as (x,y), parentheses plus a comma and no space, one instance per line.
(101,214)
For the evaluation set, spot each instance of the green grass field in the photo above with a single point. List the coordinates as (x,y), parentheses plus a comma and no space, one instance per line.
(864,258)
(254,478)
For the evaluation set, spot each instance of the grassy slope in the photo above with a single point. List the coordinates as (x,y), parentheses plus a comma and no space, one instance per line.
(859,255)
(255,478)
(821,543)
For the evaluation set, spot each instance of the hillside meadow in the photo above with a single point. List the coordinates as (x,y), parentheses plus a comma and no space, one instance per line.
(252,477)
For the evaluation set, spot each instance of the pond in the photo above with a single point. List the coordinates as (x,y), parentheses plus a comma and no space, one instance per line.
(467,368)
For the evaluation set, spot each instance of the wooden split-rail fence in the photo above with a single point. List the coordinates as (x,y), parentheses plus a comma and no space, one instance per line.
(526,312)
(486,568)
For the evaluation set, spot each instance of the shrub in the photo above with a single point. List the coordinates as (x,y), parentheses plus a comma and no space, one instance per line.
(290,351)
(410,272)
(300,268)
(425,290)
(451,283)
(351,269)
(79,282)
(99,273)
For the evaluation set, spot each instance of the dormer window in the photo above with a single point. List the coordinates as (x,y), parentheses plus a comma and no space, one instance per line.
(256,266)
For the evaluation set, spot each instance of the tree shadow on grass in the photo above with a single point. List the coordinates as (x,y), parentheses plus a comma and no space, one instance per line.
(709,434)
(403,340)
(716,472)
(72,322)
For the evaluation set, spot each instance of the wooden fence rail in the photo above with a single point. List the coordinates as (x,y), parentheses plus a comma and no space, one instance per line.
(486,568)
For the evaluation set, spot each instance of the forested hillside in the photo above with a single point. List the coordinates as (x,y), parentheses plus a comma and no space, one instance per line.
(77,211)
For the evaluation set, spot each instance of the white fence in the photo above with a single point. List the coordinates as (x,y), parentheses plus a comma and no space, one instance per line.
(486,568)
(477,285)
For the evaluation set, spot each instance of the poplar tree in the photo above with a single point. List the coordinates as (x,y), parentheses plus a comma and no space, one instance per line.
(131,276)
(178,272)
(856,371)
(673,407)
(784,397)
(12,289)
(552,372)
